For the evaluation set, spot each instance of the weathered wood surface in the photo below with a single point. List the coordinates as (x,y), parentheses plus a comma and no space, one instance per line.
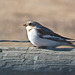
(27,60)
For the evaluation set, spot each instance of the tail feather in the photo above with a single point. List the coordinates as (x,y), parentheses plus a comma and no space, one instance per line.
(71,43)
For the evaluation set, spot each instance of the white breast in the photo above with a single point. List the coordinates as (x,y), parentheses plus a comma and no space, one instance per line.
(32,35)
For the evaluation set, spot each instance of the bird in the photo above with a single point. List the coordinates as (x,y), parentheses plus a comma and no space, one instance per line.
(41,36)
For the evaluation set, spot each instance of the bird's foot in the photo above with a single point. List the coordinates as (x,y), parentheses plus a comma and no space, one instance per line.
(42,47)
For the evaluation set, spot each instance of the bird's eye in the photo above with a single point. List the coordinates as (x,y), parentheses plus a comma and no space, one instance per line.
(30,23)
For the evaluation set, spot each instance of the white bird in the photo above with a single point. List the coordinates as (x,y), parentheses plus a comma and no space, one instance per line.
(41,36)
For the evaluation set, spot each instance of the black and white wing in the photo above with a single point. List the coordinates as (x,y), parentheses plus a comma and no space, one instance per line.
(46,33)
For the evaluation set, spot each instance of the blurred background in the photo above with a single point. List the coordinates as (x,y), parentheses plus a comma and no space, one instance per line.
(58,15)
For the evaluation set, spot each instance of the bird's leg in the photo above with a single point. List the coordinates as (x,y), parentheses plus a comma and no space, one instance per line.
(42,47)
(34,46)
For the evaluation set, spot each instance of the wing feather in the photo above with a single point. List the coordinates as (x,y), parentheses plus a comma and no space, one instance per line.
(49,34)
(45,31)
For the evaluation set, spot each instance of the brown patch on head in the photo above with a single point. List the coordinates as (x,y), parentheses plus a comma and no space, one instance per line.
(29,30)
(32,26)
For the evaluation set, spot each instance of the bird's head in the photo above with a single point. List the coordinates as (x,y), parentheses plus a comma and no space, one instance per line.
(29,23)
(32,24)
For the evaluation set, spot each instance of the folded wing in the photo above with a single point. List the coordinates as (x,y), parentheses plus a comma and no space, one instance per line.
(46,33)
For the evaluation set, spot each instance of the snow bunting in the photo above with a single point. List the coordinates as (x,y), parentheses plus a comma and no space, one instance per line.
(41,36)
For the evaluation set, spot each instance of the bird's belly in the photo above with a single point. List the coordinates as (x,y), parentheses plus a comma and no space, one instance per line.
(37,41)
(46,42)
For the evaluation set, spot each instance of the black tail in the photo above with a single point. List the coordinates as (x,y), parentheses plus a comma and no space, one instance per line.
(71,43)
